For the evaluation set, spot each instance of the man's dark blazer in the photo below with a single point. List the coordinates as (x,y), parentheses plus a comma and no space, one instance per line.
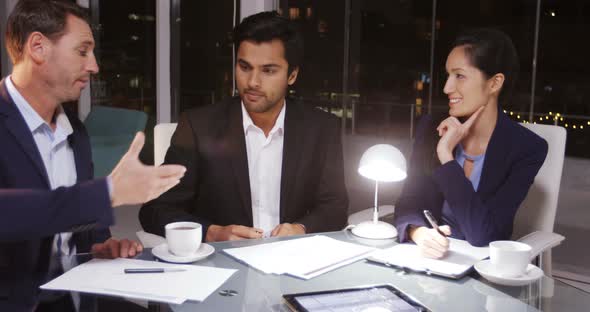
(210,142)
(513,157)
(31,213)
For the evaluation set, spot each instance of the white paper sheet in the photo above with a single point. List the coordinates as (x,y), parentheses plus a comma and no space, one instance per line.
(305,257)
(460,257)
(106,277)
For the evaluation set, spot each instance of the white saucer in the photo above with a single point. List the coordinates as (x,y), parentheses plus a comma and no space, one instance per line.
(161,252)
(485,269)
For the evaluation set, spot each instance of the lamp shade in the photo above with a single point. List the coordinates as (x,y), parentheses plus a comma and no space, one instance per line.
(383,163)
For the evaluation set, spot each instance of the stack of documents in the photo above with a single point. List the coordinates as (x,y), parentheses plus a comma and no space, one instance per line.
(107,277)
(459,259)
(305,257)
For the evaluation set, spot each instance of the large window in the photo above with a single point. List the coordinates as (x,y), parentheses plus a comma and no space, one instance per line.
(562,84)
(322,23)
(389,68)
(125,52)
(514,17)
(202,63)
(385,47)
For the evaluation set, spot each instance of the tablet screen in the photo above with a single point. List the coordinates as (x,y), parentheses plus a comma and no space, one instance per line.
(374,299)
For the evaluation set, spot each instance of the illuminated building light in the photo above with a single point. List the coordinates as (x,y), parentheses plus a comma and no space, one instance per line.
(294,13)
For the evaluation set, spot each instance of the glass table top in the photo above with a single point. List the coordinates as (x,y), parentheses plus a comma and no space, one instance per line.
(251,290)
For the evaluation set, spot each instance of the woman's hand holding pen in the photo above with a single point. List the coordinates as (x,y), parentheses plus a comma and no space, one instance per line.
(432,244)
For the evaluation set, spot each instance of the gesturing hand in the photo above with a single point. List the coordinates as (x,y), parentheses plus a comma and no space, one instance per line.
(136,183)
(452,131)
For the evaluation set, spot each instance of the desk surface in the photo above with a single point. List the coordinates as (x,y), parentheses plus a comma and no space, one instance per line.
(257,291)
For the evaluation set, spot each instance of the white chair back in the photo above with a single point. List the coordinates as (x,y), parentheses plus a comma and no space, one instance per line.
(162,134)
(537,212)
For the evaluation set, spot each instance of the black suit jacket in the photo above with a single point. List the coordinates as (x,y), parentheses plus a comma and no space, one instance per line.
(31,213)
(210,142)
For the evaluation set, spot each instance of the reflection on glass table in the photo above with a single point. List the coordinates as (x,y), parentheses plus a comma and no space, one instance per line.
(251,290)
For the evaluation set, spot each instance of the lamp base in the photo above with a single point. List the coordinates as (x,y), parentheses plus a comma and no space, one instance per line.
(372,230)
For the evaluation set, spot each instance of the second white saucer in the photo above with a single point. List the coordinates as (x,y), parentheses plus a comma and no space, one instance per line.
(161,252)
(485,269)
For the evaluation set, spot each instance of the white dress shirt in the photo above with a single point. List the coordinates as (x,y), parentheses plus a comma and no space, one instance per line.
(58,158)
(265,161)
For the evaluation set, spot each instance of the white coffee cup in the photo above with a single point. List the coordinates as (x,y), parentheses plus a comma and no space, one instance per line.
(183,238)
(509,258)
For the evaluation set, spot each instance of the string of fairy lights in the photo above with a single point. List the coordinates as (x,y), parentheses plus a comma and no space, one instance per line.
(552,118)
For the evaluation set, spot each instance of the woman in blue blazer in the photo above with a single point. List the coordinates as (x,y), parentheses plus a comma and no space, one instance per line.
(473,168)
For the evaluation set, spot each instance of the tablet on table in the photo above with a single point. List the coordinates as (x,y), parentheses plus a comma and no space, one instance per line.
(381,298)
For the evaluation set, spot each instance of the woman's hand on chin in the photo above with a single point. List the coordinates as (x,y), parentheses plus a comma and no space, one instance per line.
(451,132)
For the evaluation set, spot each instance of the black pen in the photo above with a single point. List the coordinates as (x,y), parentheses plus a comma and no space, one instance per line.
(432,222)
(153,270)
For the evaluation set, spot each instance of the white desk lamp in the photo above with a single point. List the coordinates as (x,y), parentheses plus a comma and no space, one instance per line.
(382,163)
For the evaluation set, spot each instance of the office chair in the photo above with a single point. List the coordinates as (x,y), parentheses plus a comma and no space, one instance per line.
(536,215)
(162,135)
(111,131)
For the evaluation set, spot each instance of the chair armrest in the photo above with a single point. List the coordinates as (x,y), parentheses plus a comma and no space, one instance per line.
(541,241)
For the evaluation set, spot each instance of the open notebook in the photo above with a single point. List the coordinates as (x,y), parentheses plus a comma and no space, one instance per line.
(456,264)
(461,257)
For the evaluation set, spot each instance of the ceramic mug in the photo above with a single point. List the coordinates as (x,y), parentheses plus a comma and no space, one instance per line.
(183,238)
(509,258)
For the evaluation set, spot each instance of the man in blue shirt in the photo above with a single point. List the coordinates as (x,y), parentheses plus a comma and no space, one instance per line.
(51,208)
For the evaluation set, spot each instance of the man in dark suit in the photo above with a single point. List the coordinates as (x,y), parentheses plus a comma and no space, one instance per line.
(258,165)
(50,208)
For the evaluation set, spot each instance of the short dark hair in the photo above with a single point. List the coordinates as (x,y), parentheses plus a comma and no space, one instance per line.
(492,52)
(45,16)
(267,26)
